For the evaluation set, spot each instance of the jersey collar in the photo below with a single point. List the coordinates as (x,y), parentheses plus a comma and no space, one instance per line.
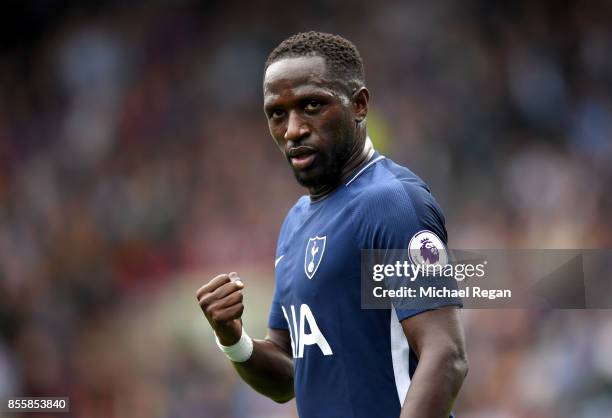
(374,157)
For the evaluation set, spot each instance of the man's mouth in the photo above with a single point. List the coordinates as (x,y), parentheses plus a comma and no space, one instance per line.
(301,157)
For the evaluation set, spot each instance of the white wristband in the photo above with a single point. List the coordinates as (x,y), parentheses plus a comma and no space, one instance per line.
(239,352)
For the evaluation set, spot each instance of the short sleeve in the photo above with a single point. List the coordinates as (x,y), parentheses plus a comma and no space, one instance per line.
(276,319)
(388,217)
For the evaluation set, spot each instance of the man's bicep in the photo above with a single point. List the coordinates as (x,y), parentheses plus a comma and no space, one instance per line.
(435,329)
(281,338)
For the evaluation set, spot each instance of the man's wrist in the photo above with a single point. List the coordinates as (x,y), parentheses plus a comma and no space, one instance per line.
(239,352)
(229,334)
(228,339)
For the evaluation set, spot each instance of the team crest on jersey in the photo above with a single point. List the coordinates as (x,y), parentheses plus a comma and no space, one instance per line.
(426,248)
(314,253)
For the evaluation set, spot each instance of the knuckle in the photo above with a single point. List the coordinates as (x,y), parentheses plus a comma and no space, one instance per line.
(214,316)
(210,311)
(204,304)
(200,292)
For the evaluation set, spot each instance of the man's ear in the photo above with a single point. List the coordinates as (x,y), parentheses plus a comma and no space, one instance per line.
(360,101)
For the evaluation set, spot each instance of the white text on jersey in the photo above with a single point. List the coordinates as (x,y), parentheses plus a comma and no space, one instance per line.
(299,338)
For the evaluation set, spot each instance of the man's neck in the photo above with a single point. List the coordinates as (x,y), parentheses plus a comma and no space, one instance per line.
(352,165)
(359,159)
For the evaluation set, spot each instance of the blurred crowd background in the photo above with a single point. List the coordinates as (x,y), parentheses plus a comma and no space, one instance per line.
(135,163)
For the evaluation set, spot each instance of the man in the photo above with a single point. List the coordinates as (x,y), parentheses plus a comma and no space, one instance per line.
(337,359)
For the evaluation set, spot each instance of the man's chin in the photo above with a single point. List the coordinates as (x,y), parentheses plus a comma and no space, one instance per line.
(311,179)
(306,179)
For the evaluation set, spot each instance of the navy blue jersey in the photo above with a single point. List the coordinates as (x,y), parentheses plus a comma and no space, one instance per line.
(349,362)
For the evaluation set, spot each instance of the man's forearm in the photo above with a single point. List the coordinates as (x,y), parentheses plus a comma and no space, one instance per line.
(269,371)
(434,386)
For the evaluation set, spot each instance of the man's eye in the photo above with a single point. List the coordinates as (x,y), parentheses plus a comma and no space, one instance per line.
(312,106)
(275,114)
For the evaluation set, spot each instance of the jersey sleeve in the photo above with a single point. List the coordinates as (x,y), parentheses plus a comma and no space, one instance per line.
(276,319)
(390,215)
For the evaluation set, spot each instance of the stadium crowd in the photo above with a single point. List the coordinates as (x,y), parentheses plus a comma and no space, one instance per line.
(135,160)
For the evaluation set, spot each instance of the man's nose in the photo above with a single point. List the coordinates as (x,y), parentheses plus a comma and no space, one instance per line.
(296,128)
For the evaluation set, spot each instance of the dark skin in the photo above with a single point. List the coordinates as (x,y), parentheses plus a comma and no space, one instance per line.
(318,123)
(309,112)
(269,370)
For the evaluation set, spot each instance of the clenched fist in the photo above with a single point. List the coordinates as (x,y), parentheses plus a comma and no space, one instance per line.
(221,302)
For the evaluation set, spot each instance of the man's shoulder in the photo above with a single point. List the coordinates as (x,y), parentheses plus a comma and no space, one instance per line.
(392,198)
(389,183)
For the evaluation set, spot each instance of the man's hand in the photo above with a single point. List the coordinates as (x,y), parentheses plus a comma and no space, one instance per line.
(221,302)
(269,370)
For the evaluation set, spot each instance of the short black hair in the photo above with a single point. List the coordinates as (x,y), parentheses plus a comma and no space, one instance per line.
(340,54)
